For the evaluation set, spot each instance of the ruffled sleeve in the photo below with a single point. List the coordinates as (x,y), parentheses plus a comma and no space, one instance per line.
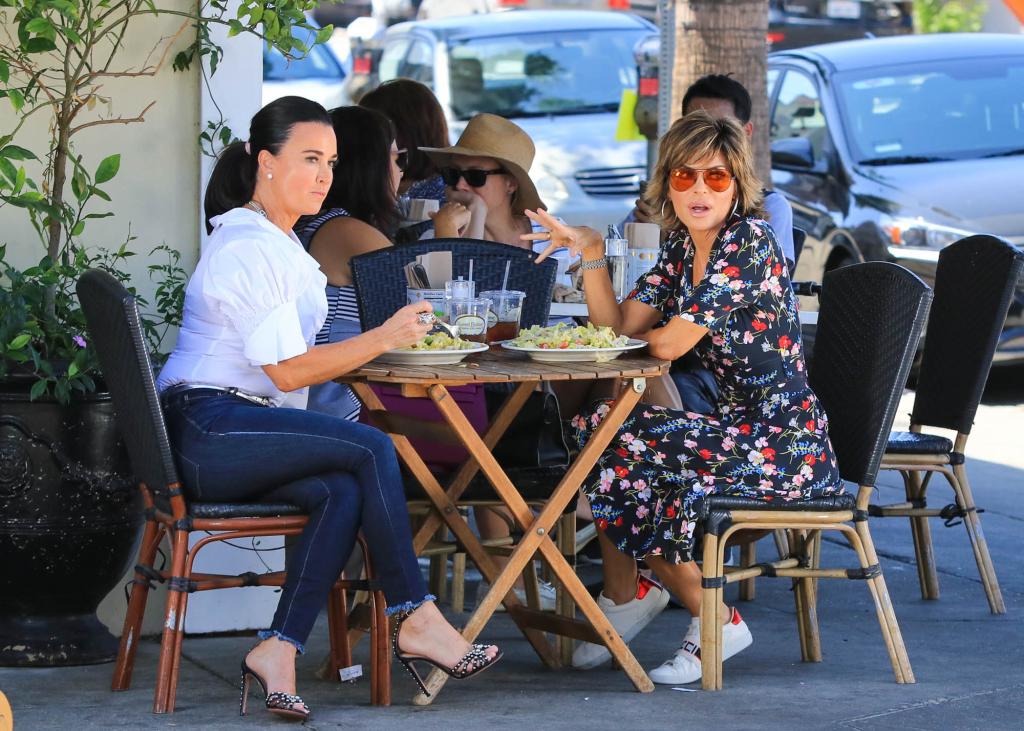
(256,285)
(743,265)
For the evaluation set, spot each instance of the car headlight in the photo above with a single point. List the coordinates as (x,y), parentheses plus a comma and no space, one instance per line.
(550,187)
(919,233)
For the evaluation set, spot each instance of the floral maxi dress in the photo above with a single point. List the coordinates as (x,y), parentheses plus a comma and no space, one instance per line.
(767,439)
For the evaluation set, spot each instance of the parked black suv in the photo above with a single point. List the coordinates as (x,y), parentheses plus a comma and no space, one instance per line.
(890,149)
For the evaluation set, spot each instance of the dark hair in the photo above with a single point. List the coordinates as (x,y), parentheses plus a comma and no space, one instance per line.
(362,178)
(720,86)
(233,180)
(418,118)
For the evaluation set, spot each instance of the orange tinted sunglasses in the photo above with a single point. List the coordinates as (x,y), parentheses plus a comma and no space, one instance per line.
(718,178)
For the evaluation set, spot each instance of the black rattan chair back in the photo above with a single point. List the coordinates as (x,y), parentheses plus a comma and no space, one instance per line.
(869,323)
(799,236)
(112,317)
(974,286)
(380,283)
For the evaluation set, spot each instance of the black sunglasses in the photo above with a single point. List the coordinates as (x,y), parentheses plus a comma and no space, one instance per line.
(474,178)
(402,160)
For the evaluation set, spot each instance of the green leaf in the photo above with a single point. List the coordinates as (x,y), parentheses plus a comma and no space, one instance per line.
(72,370)
(324,34)
(38,389)
(17,99)
(100,194)
(108,168)
(19,342)
(15,152)
(5,72)
(8,170)
(78,229)
(39,26)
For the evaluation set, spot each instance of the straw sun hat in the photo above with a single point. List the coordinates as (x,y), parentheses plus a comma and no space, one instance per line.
(488,135)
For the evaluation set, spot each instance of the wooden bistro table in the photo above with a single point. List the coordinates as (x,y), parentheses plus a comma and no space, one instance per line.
(502,366)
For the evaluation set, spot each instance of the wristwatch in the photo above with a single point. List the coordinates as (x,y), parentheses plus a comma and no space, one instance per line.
(595,264)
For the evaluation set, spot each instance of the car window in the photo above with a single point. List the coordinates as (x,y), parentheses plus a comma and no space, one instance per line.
(969,107)
(391,59)
(798,112)
(318,63)
(419,63)
(773,76)
(539,74)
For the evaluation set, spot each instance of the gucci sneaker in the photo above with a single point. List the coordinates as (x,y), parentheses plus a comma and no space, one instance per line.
(627,619)
(684,666)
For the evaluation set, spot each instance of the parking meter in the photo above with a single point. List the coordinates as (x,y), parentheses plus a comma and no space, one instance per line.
(647,53)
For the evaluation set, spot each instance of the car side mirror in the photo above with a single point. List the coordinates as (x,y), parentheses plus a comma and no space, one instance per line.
(792,152)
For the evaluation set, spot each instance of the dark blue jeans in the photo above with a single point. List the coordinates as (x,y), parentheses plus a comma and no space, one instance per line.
(344,474)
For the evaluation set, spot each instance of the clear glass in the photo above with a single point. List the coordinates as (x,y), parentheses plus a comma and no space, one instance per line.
(470,316)
(970,108)
(505,315)
(541,74)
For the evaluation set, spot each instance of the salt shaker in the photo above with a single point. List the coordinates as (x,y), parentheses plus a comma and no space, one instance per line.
(616,249)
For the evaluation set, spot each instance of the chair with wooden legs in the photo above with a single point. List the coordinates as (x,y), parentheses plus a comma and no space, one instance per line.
(113,320)
(975,282)
(870,320)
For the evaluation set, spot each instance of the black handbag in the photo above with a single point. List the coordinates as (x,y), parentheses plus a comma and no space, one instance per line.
(535,438)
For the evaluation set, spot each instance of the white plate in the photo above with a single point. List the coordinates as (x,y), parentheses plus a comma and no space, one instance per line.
(566,355)
(429,357)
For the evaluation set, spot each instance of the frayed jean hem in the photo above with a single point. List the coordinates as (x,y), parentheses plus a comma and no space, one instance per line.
(409,607)
(266,634)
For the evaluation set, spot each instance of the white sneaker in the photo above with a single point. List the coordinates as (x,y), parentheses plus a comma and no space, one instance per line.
(627,619)
(684,666)
(544,589)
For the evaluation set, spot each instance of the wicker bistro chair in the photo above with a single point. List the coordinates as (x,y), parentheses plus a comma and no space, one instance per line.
(975,283)
(113,321)
(870,320)
(381,287)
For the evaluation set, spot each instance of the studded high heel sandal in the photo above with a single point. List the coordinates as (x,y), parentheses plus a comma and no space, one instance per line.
(281,704)
(473,662)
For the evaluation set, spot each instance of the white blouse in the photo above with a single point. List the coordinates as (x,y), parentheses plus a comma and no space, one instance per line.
(256,298)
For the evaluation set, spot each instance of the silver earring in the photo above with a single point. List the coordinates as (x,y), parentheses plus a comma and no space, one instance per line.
(270,176)
(735,207)
(663,210)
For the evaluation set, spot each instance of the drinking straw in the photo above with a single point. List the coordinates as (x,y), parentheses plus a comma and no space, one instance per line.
(471,270)
(504,281)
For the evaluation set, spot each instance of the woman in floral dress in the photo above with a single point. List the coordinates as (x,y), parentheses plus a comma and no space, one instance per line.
(721,288)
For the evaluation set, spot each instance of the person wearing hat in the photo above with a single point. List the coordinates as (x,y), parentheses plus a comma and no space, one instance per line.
(487,172)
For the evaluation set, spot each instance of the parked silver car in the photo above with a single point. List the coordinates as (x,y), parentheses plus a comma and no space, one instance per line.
(559,75)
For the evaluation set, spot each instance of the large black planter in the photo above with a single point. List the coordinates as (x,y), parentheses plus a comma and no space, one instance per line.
(69,522)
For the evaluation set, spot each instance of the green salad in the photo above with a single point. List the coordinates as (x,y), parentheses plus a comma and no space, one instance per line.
(440,341)
(562,336)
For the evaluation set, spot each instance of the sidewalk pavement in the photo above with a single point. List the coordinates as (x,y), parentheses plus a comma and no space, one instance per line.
(969,664)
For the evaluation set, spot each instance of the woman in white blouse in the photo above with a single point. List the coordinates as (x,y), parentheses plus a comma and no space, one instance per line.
(234,393)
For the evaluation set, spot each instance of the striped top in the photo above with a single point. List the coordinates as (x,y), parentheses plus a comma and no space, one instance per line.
(342,323)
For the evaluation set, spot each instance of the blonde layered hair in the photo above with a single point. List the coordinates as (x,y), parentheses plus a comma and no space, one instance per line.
(691,139)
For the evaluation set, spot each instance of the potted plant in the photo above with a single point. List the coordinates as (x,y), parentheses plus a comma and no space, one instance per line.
(69,520)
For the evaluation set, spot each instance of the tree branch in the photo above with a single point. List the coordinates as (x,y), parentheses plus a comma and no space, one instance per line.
(115,120)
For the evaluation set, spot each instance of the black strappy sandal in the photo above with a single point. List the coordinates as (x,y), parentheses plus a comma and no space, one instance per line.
(278,703)
(473,662)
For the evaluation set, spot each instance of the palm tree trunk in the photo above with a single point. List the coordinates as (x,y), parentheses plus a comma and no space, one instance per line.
(725,37)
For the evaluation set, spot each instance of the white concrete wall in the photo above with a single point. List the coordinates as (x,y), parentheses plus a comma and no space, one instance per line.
(154,195)
(157,199)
